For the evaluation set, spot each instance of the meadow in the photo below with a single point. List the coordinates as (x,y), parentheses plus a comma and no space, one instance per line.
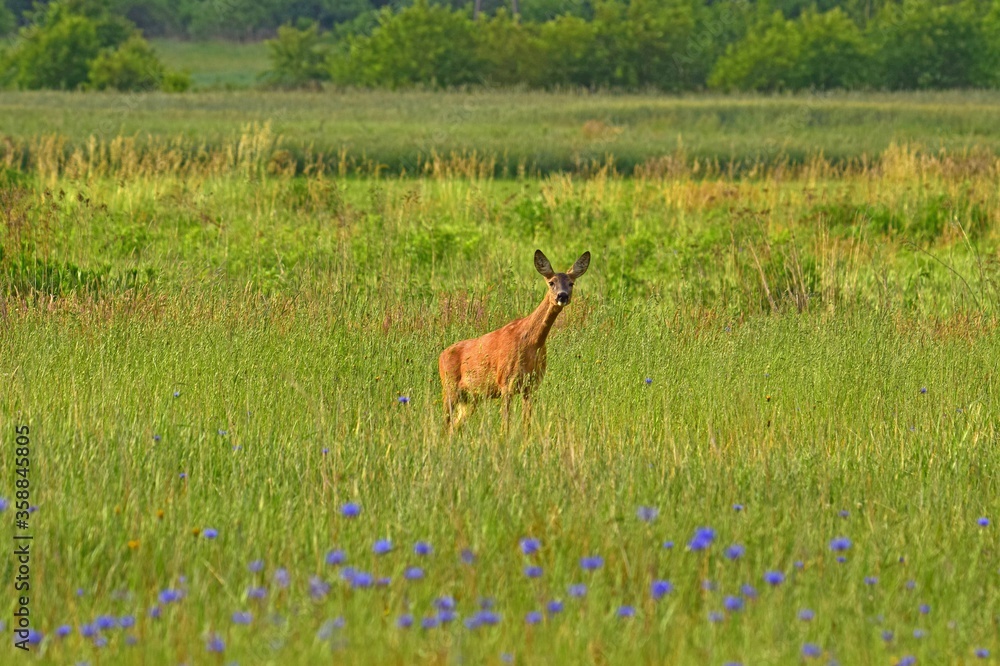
(767,435)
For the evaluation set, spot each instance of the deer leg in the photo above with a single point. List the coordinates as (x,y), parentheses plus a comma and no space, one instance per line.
(462,411)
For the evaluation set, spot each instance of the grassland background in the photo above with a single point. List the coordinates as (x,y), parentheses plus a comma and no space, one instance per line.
(254,330)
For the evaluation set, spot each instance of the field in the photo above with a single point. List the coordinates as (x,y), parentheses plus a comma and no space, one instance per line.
(214,64)
(769,423)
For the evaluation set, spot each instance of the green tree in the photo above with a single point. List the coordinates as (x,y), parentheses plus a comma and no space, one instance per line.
(299,58)
(56,52)
(132,66)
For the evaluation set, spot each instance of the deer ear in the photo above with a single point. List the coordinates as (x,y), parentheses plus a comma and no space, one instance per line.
(542,265)
(580,267)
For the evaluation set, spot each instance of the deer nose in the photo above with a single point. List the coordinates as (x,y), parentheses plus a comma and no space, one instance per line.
(562,298)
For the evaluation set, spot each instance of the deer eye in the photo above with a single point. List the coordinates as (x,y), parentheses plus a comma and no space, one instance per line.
(571,284)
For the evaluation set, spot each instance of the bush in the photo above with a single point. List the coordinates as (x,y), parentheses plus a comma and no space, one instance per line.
(133,66)
(56,52)
(298,58)
(820,51)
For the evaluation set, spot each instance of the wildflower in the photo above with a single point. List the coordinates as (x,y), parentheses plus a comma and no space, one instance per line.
(4,504)
(919,633)
(871,580)
(488,617)
(530,545)
(841,559)
(983,522)
(924,609)
(660,589)
(281,577)
(350,510)
(774,578)
(256,592)
(428,623)
(328,627)
(533,571)
(911,584)
(748,591)
(702,539)
(578,590)
(177,394)
(336,557)
(403,400)
(404,621)
(126,621)
(105,622)
(446,616)
(423,548)
(64,630)
(362,579)
(507,657)
(382,546)
(100,642)
(733,604)
(131,640)
(908,660)
(468,557)
(668,544)
(444,603)
(708,585)
(811,650)
(799,564)
(840,544)
(626,611)
(715,616)
(737,508)
(242,617)
(156,438)
(923,389)
(534,617)
(154,612)
(318,588)
(88,631)
(210,533)
(982,653)
(735,551)
(215,644)
(256,566)
(184,475)
(383,581)
(554,607)
(133,544)
(223,433)
(326,450)
(887,635)
(647,513)
(806,615)
(591,563)
(413,573)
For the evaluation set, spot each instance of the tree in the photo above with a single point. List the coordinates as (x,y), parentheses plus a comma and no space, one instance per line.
(299,59)
(56,52)
(132,66)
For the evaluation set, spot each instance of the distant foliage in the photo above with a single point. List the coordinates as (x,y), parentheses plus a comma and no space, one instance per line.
(298,58)
(73,45)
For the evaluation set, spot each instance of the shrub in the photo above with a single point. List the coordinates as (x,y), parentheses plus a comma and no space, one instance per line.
(133,66)
(299,59)
(56,52)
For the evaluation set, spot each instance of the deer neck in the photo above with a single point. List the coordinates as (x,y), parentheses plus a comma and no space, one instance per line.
(540,322)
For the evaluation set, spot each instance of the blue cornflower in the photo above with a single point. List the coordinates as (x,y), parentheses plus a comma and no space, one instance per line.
(413,573)
(983,522)
(887,635)
(256,566)
(733,663)
(748,591)
(647,513)
(911,584)
(350,510)
(924,609)
(404,621)
(774,578)
(215,644)
(919,633)
(256,592)
(34,637)
(735,551)
(737,507)
(530,545)
(428,623)
(383,581)
(908,660)
(444,603)
(362,579)
(840,544)
(126,621)
(841,559)
(871,580)
(733,604)
(336,557)
(156,438)
(468,557)
(982,653)
(210,532)
(649,380)
(507,657)
(446,616)
(799,564)
(577,590)
(488,617)
(806,615)
(326,450)
(403,400)
(715,616)
(64,630)
(242,617)
(328,627)
(533,571)
(382,546)
(534,617)
(708,585)
(843,513)
(184,475)
(554,607)
(626,611)
(702,539)
(100,642)
(131,640)
(222,433)
(923,389)
(105,622)
(281,577)
(660,589)
(318,588)
(423,548)
(668,544)
(811,650)
(88,631)
(177,394)
(155,612)
(4,504)
(591,563)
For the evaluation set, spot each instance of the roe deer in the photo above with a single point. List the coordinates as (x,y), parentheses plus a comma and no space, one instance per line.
(510,360)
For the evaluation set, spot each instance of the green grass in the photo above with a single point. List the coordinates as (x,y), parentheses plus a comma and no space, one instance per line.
(540,132)
(217,64)
(255,335)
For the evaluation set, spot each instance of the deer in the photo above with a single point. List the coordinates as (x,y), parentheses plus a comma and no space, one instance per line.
(510,360)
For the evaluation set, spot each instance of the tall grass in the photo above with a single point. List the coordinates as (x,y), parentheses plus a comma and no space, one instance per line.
(225,347)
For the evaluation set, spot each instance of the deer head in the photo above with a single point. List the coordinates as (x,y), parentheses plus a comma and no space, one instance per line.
(561,284)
